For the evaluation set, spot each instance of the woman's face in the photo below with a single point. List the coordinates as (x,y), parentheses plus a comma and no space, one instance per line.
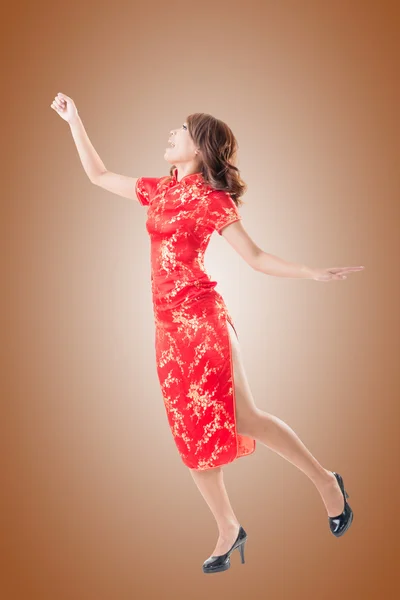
(183,149)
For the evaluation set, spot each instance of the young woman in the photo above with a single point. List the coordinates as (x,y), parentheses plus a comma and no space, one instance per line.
(207,398)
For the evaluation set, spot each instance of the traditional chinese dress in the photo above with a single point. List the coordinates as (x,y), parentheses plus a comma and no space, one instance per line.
(192,343)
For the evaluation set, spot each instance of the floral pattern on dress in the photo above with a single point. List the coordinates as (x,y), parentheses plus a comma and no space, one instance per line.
(192,343)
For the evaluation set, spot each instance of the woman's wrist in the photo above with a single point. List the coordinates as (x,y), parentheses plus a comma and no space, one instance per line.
(75,120)
(309,272)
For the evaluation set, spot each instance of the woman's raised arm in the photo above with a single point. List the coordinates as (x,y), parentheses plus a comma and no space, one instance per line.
(122,185)
(94,167)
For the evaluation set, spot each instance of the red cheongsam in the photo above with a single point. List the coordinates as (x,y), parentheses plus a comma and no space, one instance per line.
(192,343)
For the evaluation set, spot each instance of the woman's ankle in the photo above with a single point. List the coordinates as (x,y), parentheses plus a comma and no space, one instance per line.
(226,528)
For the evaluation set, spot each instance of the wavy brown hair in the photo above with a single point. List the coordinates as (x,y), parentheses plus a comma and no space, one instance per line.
(218,148)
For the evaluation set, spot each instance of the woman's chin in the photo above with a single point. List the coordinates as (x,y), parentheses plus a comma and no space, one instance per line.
(168,158)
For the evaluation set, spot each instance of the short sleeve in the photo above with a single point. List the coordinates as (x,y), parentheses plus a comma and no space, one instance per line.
(222,210)
(146,189)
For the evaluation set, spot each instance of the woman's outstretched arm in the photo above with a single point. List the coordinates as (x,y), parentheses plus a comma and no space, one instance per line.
(237,236)
(240,240)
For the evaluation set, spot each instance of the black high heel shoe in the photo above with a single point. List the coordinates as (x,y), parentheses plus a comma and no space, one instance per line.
(340,524)
(214,564)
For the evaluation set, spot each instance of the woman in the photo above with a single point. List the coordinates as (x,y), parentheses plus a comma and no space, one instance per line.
(207,398)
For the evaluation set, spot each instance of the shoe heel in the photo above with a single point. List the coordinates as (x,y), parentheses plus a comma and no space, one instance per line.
(241,550)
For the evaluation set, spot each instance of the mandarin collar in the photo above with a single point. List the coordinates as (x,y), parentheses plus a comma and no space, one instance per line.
(187,179)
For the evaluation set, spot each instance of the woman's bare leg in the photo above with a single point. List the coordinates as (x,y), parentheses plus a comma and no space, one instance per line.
(210,482)
(279,437)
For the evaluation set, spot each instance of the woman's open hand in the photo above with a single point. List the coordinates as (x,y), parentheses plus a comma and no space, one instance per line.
(333,273)
(65,107)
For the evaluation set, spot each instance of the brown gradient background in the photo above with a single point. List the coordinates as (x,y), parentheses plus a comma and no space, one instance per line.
(96,502)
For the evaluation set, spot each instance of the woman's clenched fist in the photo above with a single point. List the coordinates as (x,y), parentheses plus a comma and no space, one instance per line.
(65,107)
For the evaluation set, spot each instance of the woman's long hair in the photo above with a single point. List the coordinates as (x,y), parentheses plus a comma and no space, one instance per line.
(219,148)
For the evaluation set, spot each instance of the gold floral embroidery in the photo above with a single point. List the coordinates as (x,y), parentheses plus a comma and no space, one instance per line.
(193,357)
